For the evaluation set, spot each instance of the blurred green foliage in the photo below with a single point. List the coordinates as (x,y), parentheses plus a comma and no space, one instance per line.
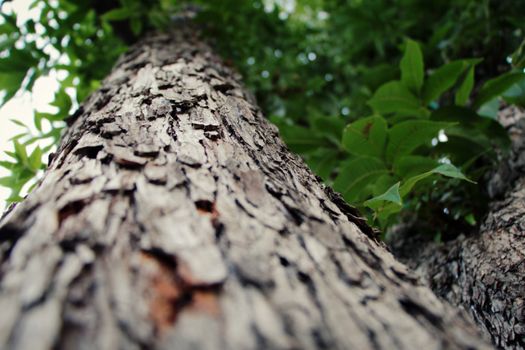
(67,36)
(392,102)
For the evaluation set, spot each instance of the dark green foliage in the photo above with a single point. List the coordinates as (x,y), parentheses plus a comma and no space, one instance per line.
(376,95)
(397,148)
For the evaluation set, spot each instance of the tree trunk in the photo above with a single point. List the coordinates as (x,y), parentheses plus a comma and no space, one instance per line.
(485,273)
(174,216)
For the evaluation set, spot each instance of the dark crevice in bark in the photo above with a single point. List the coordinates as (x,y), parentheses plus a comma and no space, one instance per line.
(421,311)
(70,209)
(352,214)
(9,235)
(10,232)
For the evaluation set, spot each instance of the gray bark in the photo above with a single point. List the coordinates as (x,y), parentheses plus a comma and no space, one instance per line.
(484,273)
(174,216)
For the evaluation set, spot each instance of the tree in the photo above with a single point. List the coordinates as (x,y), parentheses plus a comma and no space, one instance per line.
(173,215)
(483,272)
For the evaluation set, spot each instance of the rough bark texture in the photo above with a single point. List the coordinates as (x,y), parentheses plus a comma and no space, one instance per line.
(173,215)
(485,273)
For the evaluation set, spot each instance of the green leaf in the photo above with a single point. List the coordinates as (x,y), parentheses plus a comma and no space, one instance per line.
(464,90)
(385,211)
(516,94)
(7,181)
(356,175)
(470,219)
(63,102)
(450,170)
(52,117)
(442,79)
(7,165)
(12,155)
(330,127)
(394,97)
(365,136)
(18,122)
(9,84)
(391,203)
(7,42)
(490,109)
(390,196)
(412,68)
(37,120)
(518,57)
(18,136)
(408,166)
(301,139)
(35,159)
(376,76)
(406,136)
(20,152)
(323,162)
(382,183)
(136,25)
(444,169)
(497,86)
(14,198)
(17,61)
(118,14)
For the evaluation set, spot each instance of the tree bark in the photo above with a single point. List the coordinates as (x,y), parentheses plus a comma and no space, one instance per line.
(174,216)
(484,273)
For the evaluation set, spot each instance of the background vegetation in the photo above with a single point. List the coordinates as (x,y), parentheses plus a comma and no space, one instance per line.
(392,102)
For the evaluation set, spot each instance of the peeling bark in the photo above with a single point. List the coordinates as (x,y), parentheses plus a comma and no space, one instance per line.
(173,215)
(484,273)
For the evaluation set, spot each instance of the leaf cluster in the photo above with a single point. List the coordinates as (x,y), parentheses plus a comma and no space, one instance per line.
(411,137)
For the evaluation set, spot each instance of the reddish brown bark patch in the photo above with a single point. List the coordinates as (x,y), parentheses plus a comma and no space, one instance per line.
(172,291)
(165,292)
(206,301)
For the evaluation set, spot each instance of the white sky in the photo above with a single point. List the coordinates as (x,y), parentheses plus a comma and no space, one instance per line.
(21,106)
